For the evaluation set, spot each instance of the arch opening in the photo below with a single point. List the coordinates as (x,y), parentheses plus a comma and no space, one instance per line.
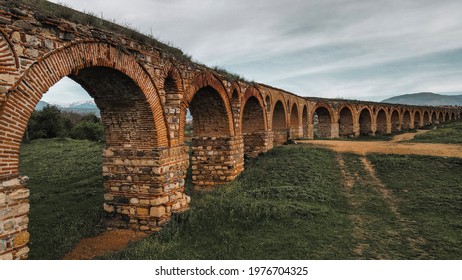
(322,123)
(427,119)
(294,122)
(406,121)
(346,123)
(365,122)
(395,123)
(417,123)
(253,127)
(279,124)
(381,122)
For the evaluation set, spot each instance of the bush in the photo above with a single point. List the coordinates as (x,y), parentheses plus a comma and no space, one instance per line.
(88,130)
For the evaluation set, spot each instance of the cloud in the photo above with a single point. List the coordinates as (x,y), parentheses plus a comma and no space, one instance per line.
(329,48)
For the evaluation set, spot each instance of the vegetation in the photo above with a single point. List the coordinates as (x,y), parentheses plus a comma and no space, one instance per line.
(288,204)
(50,122)
(66,197)
(431,200)
(450,133)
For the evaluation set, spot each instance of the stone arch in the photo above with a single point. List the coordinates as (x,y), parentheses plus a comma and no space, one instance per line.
(434,118)
(427,118)
(417,119)
(446,117)
(395,121)
(211,84)
(406,120)
(453,116)
(93,57)
(279,122)
(131,111)
(365,121)
(346,121)
(322,117)
(253,110)
(294,121)
(440,117)
(381,121)
(305,121)
(214,144)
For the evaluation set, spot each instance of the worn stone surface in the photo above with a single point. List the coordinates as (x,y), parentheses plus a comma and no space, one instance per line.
(143,94)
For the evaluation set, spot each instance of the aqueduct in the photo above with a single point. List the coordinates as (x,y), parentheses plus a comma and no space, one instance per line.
(143,93)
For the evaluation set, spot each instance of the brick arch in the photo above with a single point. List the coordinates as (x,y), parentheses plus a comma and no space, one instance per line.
(279,114)
(294,121)
(381,120)
(257,99)
(72,60)
(305,122)
(417,119)
(395,120)
(365,121)
(406,120)
(202,81)
(426,118)
(446,117)
(325,119)
(440,117)
(346,120)
(453,116)
(9,62)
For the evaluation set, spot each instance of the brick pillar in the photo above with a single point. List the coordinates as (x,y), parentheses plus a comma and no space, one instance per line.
(310,131)
(143,188)
(257,142)
(374,128)
(280,136)
(216,160)
(356,129)
(296,132)
(334,130)
(14,220)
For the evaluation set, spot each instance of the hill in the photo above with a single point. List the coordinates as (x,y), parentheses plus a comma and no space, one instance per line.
(41,105)
(426,98)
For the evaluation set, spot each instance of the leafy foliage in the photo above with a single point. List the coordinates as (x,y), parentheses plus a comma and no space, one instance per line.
(52,122)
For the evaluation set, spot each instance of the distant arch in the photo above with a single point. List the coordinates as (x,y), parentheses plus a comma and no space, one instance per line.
(294,122)
(365,122)
(346,123)
(322,121)
(381,122)
(406,120)
(395,123)
(417,123)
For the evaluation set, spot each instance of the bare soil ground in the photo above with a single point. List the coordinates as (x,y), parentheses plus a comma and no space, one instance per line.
(108,241)
(391,147)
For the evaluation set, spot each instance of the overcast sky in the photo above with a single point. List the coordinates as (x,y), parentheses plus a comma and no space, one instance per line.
(358,49)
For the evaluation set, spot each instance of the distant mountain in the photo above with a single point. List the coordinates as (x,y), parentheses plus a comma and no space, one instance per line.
(426,99)
(82,107)
(41,105)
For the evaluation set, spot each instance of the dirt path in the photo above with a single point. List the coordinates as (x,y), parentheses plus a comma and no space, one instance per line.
(108,241)
(391,147)
(408,136)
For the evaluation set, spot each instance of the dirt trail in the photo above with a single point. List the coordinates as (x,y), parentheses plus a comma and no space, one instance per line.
(391,147)
(108,241)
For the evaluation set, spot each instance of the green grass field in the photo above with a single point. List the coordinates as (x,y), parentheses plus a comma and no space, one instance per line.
(290,203)
(450,133)
(66,186)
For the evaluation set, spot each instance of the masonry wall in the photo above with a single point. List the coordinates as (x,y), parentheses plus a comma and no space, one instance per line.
(14,210)
(257,143)
(216,160)
(143,187)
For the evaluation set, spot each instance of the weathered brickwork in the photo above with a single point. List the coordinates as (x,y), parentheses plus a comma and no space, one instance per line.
(216,160)
(14,210)
(143,94)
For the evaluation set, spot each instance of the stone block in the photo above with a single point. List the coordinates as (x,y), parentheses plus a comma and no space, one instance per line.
(21,239)
(157,212)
